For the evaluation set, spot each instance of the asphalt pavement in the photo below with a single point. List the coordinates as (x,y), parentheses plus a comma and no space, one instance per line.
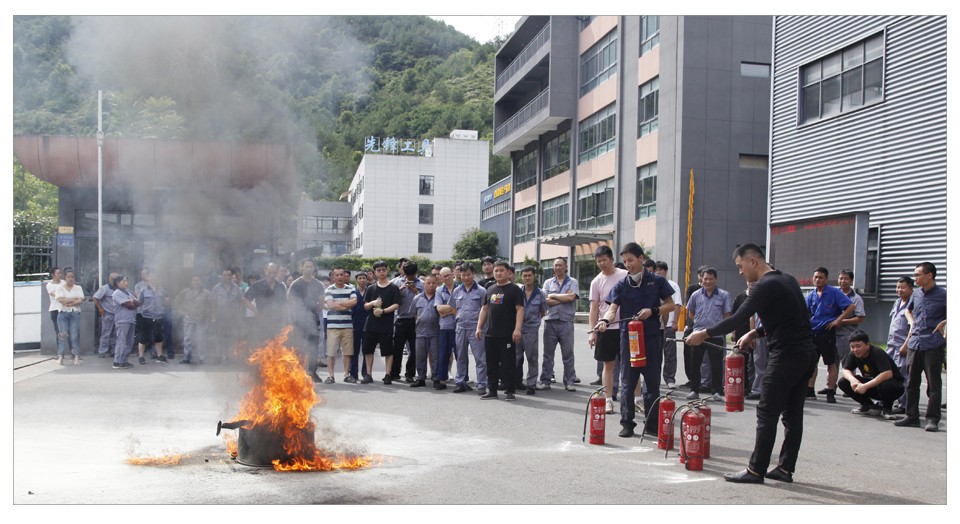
(75,427)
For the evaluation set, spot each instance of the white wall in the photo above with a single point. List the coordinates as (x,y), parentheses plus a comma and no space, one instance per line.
(27,312)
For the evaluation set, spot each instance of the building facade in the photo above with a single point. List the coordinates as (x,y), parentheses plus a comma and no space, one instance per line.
(495,213)
(325,227)
(604,117)
(418,204)
(858,166)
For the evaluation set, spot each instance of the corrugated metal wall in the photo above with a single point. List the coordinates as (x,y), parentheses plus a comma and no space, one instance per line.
(888,159)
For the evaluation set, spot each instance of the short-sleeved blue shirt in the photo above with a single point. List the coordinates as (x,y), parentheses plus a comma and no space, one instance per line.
(428,320)
(929,308)
(826,307)
(631,297)
(533,307)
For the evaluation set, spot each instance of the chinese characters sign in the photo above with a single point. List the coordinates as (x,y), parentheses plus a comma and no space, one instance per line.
(397,146)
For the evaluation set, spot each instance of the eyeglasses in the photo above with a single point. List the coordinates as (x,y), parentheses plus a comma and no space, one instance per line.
(919,274)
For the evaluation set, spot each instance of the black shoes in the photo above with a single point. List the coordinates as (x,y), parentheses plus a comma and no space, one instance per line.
(509,397)
(367,379)
(743,477)
(811,393)
(488,396)
(780,475)
(597,382)
(387,380)
(753,396)
(461,388)
(908,422)
(531,391)
(932,426)
(142,360)
(418,384)
(482,391)
(438,385)
(626,432)
(831,396)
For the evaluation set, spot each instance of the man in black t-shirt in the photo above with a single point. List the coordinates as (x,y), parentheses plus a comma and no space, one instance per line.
(486,265)
(502,313)
(879,377)
(381,299)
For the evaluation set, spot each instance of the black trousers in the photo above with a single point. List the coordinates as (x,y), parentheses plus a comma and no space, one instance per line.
(886,392)
(782,395)
(501,363)
(716,365)
(404,331)
(929,363)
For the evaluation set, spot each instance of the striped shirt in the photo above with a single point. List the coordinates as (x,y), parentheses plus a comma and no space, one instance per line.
(339,319)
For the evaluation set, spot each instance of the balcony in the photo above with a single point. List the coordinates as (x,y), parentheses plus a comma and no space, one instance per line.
(523,58)
(538,104)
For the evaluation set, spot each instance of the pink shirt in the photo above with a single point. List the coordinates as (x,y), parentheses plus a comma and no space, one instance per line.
(600,288)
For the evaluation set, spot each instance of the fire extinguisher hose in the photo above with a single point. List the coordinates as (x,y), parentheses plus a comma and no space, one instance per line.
(586,416)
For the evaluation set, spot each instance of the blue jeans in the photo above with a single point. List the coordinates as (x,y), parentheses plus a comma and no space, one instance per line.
(69,324)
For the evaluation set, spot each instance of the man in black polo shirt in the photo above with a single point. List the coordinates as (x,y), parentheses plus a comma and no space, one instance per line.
(878,377)
(503,308)
(777,299)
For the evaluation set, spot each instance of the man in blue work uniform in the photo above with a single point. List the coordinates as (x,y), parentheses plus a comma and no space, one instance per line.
(467,301)
(828,307)
(562,292)
(649,297)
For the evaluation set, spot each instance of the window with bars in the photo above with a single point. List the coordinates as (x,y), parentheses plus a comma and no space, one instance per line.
(843,81)
(649,33)
(598,63)
(425,243)
(556,215)
(598,133)
(526,225)
(556,155)
(648,112)
(525,171)
(495,210)
(595,205)
(647,191)
(320,224)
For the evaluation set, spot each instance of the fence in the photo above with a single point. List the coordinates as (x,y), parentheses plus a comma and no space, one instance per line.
(32,257)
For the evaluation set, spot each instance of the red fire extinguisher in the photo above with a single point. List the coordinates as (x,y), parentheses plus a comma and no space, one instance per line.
(665,423)
(691,439)
(733,366)
(597,416)
(707,415)
(638,350)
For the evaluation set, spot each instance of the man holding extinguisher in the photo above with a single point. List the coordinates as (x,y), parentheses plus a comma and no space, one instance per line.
(776,298)
(648,297)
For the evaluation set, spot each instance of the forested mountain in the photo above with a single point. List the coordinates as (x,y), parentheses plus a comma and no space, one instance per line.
(322,84)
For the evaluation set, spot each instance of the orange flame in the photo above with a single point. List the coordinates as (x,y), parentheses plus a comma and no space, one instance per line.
(231,443)
(281,400)
(164,460)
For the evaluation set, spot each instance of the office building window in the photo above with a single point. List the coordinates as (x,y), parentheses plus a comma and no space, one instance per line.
(526,226)
(525,171)
(648,112)
(647,191)
(754,161)
(546,269)
(425,243)
(755,70)
(595,205)
(556,155)
(556,215)
(598,133)
(871,283)
(649,33)
(598,63)
(426,184)
(843,81)
(495,210)
(335,225)
(426,213)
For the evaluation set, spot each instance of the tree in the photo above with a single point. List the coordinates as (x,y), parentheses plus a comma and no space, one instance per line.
(475,243)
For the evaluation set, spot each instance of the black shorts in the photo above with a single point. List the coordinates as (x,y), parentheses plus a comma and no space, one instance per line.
(826,344)
(608,345)
(371,339)
(151,330)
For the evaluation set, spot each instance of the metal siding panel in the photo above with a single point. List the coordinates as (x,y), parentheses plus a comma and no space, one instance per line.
(871,159)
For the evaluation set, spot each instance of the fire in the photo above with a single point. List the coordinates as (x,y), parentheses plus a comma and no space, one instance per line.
(164,460)
(231,443)
(281,399)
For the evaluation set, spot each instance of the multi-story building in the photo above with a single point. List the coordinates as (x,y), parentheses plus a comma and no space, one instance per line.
(417,197)
(495,213)
(858,166)
(604,117)
(324,227)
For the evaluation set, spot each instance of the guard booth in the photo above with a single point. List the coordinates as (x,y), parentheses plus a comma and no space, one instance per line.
(178,207)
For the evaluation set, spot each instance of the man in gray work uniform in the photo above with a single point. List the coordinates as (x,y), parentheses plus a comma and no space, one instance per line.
(562,292)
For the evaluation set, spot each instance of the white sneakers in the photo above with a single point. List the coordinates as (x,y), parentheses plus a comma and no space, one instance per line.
(609,405)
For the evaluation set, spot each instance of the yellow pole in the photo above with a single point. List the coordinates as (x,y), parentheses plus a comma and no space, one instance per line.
(686,281)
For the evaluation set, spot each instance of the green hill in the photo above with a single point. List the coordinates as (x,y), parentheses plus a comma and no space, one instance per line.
(322,84)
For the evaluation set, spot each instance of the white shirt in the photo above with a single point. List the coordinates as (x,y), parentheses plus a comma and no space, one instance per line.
(677,300)
(55,304)
(63,292)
